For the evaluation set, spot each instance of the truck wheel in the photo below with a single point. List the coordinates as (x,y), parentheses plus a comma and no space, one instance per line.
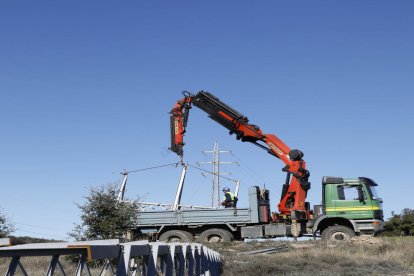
(189,235)
(337,233)
(216,235)
(176,236)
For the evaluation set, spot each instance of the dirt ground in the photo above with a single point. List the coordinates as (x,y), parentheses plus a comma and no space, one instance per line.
(362,256)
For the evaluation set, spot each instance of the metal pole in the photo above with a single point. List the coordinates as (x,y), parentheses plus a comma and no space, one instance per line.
(122,189)
(216,173)
(236,192)
(180,188)
(217,170)
(52,265)
(14,263)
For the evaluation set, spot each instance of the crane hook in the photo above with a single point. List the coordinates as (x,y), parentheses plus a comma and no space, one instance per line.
(186,93)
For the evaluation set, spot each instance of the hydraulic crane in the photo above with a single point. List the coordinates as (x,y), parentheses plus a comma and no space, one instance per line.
(296,186)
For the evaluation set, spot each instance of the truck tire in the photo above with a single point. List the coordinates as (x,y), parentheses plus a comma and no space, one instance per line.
(337,233)
(216,235)
(176,236)
(189,235)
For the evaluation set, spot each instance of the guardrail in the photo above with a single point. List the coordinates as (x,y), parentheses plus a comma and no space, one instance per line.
(131,258)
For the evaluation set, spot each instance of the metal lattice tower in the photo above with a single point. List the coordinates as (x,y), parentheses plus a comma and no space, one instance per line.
(216,173)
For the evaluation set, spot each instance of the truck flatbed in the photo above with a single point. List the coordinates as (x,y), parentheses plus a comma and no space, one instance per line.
(196,217)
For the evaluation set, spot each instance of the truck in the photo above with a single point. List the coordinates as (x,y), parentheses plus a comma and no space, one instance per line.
(350,206)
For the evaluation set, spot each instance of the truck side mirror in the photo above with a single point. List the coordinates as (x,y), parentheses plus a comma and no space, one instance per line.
(361,194)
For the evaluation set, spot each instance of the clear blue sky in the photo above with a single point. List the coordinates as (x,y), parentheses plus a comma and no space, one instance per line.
(86,87)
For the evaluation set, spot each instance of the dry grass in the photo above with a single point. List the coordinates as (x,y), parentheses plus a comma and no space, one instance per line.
(37,266)
(390,256)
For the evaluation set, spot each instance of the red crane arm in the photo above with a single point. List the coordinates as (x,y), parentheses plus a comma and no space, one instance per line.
(178,122)
(294,190)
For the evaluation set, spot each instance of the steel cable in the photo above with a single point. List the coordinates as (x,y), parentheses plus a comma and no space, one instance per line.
(150,168)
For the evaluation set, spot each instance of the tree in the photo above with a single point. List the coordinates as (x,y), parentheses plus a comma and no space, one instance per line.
(407,222)
(6,226)
(400,225)
(103,217)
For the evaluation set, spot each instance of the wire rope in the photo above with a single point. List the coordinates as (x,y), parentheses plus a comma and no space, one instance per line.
(211,172)
(38,226)
(249,170)
(151,168)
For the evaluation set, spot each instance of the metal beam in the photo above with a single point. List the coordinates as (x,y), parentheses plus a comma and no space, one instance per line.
(159,258)
(5,242)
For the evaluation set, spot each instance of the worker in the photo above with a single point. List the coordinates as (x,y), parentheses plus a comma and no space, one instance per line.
(230,200)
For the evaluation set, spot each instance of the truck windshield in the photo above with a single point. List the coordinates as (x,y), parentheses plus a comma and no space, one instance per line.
(373,192)
(370,184)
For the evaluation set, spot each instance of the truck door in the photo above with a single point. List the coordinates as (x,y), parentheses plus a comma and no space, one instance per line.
(351,202)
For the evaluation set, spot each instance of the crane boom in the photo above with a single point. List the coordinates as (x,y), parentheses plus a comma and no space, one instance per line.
(295,188)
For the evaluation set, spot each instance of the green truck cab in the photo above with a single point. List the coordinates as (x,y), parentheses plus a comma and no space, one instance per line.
(349,207)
